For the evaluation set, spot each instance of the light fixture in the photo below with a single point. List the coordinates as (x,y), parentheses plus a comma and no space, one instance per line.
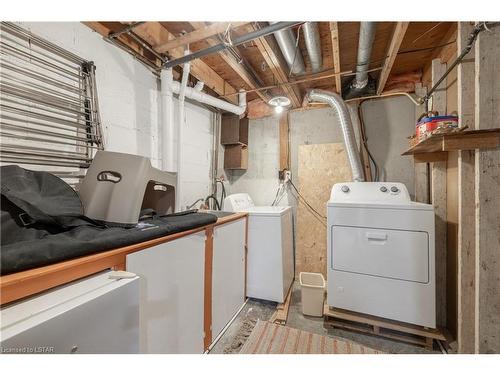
(278,102)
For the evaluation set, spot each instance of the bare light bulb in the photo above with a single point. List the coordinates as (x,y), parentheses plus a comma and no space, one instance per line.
(278,109)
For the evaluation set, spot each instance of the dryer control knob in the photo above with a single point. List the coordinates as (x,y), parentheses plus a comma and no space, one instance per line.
(345,188)
(394,189)
(383,189)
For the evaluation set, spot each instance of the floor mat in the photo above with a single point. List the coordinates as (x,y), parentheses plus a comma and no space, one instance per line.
(270,338)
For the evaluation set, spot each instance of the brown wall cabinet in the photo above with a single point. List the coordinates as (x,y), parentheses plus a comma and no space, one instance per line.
(234,130)
(236,157)
(234,137)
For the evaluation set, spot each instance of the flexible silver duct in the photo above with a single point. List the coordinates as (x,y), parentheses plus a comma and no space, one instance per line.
(313,45)
(366,37)
(337,103)
(291,52)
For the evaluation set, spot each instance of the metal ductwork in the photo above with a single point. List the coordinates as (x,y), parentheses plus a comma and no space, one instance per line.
(338,104)
(287,43)
(366,37)
(313,45)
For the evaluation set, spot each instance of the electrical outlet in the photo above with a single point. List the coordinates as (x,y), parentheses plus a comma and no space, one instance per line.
(285,175)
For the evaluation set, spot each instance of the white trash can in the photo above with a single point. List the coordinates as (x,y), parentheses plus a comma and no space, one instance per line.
(312,288)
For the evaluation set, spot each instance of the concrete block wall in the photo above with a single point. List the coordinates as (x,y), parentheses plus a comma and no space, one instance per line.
(387,123)
(129,104)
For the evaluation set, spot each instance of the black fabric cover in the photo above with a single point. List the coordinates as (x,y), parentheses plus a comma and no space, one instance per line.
(56,230)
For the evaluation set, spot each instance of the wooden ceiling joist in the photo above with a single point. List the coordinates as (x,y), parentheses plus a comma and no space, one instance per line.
(198,34)
(334,33)
(397,39)
(154,33)
(277,67)
(238,68)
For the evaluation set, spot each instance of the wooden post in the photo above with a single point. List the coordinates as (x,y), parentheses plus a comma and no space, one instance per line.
(421,169)
(207,315)
(438,199)
(466,205)
(487,165)
(284,144)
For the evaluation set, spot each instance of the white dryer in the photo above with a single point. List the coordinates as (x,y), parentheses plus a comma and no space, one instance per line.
(381,252)
(270,247)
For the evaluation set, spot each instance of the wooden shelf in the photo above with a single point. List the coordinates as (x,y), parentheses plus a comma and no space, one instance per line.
(436,147)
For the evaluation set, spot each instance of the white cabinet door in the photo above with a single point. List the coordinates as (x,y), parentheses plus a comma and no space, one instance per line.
(228,273)
(94,315)
(172,295)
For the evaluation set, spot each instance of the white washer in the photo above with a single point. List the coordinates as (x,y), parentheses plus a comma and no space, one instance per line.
(381,252)
(270,247)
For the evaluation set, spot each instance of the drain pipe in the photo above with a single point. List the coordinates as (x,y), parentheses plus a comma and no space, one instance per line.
(290,50)
(337,103)
(313,45)
(167,125)
(180,129)
(365,44)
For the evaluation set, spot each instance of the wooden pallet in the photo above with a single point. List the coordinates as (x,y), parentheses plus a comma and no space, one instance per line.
(403,332)
(281,313)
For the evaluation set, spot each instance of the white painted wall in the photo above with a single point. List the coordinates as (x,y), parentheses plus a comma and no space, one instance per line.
(129,104)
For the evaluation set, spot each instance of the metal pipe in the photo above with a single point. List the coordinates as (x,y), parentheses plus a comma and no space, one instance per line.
(470,42)
(126,30)
(312,40)
(146,46)
(338,104)
(290,50)
(365,44)
(236,42)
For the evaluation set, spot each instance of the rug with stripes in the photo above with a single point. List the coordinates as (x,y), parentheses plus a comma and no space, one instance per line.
(270,338)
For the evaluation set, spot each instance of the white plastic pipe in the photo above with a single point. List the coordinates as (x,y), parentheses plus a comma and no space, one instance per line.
(180,131)
(167,124)
(201,97)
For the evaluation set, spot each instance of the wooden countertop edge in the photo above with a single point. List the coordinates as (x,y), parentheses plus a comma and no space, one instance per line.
(25,283)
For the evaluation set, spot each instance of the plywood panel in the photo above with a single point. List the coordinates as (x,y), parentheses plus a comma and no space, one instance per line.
(320,166)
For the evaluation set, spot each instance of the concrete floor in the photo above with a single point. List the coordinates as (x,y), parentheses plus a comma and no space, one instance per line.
(238,331)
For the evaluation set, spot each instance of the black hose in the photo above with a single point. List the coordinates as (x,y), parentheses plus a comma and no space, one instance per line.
(217,205)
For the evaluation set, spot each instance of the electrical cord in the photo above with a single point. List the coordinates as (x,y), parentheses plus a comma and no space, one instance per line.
(296,51)
(315,213)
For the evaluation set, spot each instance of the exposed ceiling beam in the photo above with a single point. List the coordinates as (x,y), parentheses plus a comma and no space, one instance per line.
(124,41)
(155,33)
(199,34)
(238,68)
(334,33)
(397,39)
(276,65)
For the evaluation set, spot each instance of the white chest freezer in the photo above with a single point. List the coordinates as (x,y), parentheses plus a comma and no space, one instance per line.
(381,252)
(92,315)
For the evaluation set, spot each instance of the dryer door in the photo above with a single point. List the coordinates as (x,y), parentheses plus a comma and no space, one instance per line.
(388,253)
